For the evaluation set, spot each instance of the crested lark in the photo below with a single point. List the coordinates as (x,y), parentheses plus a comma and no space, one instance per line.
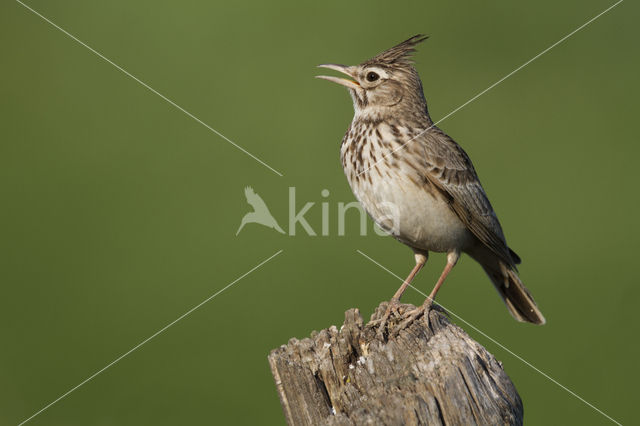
(417,183)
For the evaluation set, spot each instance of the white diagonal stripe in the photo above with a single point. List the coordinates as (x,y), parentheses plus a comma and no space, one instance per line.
(493,85)
(145,85)
(499,344)
(91,377)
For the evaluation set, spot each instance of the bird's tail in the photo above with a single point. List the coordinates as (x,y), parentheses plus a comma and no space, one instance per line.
(519,301)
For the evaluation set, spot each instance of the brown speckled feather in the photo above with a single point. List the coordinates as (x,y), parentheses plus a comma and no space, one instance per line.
(449,169)
(417,183)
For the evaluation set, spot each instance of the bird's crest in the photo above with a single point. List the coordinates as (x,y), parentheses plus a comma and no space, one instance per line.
(399,55)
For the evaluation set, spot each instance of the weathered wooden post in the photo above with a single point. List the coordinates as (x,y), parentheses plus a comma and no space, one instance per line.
(430,373)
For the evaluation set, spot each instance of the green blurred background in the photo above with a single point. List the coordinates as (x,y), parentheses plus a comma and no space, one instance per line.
(119,212)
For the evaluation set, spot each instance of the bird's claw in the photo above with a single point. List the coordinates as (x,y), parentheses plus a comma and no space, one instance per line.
(404,318)
(411,316)
(414,314)
(392,307)
(407,318)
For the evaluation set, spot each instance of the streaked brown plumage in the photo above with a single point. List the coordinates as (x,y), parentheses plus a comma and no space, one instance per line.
(396,159)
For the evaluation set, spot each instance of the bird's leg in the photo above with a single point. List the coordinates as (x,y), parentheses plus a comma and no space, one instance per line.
(452,259)
(421,259)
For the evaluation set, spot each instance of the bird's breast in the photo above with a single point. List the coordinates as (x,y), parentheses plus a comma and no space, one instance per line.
(386,173)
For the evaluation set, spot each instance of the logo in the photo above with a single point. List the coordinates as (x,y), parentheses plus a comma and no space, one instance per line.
(260,213)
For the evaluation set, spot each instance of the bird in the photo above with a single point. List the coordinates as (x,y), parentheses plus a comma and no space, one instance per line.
(418,184)
(260,213)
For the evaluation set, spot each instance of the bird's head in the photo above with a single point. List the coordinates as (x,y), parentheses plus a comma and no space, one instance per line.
(384,83)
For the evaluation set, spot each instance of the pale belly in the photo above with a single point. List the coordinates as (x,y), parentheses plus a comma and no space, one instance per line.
(394,195)
(410,213)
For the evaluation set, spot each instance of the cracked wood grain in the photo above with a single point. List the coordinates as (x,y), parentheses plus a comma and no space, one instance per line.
(431,373)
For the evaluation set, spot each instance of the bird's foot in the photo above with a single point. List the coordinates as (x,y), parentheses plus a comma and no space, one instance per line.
(392,307)
(414,314)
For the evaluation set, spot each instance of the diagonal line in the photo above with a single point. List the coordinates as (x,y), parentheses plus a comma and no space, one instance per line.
(493,85)
(499,344)
(148,339)
(145,85)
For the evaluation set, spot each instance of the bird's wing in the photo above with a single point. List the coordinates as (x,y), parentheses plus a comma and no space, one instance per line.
(449,169)
(254,200)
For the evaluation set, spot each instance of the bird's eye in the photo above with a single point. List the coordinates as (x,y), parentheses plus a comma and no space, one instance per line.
(372,76)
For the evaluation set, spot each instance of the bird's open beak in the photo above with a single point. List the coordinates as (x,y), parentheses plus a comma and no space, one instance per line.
(342,81)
